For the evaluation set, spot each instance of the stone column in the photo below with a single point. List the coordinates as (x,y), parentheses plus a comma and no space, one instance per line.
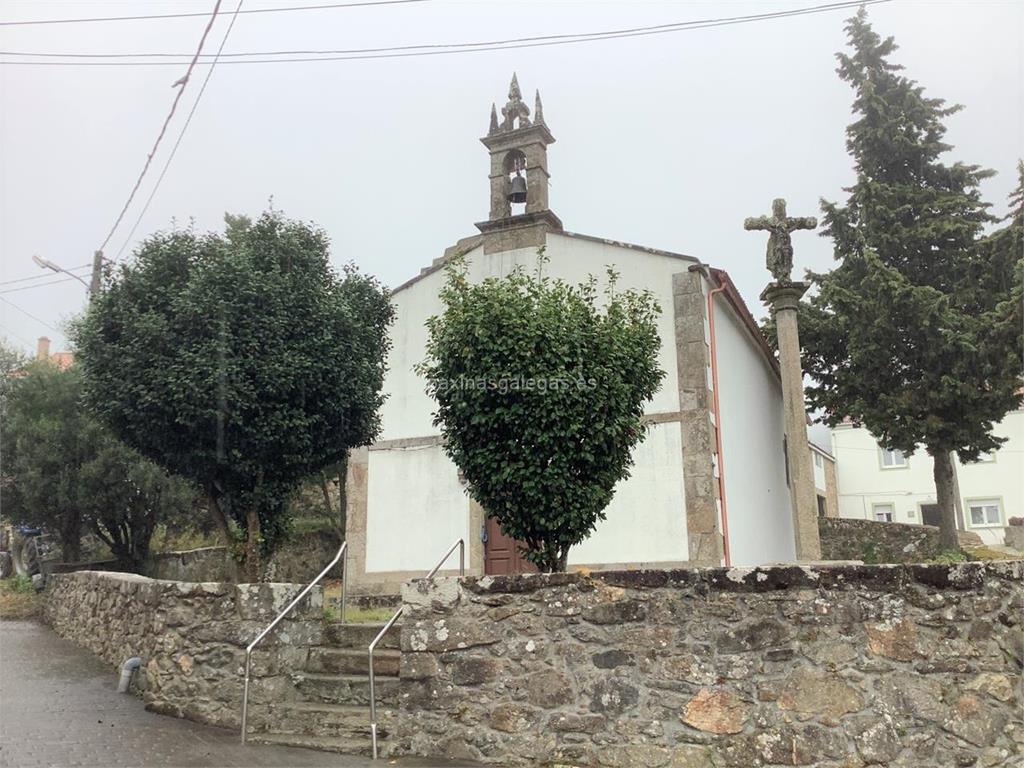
(700,486)
(783,298)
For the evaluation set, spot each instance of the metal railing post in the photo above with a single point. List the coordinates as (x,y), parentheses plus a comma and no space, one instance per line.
(344,585)
(274,623)
(461,544)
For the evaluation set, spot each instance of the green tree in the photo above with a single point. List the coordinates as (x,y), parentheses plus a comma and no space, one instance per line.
(65,472)
(242,362)
(916,333)
(540,397)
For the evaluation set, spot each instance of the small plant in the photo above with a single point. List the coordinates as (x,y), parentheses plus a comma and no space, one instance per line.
(950,556)
(1017,521)
(21,584)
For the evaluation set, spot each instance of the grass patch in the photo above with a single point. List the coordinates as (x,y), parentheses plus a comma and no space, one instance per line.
(949,557)
(987,553)
(19,599)
(354,614)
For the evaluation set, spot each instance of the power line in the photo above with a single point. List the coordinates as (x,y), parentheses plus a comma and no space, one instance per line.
(436,49)
(29,314)
(38,285)
(181,135)
(163,129)
(18,336)
(40,277)
(193,15)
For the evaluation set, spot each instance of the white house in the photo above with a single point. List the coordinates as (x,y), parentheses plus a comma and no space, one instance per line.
(823,469)
(708,485)
(876,484)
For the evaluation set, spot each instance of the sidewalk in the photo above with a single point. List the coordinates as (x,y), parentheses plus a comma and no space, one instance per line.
(59,707)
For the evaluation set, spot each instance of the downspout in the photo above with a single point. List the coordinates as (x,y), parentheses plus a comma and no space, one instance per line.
(718,423)
(129,666)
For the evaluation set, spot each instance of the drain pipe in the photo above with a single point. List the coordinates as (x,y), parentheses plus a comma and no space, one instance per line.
(126,673)
(718,412)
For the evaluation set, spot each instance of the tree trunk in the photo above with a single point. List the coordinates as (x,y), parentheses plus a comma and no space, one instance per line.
(220,519)
(343,494)
(252,545)
(71,537)
(943,473)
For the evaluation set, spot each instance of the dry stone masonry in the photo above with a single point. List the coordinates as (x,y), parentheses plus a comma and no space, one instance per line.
(190,636)
(872,541)
(846,666)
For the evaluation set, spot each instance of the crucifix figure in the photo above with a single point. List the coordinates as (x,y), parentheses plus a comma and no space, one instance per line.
(780,247)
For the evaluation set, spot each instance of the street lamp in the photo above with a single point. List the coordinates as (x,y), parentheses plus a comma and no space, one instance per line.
(47,264)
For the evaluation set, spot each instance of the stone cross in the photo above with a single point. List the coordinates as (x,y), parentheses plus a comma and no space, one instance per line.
(780,247)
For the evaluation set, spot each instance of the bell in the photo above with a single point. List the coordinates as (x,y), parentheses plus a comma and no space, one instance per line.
(518,193)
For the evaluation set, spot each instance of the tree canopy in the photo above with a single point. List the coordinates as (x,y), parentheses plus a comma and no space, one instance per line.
(916,332)
(540,396)
(64,472)
(242,361)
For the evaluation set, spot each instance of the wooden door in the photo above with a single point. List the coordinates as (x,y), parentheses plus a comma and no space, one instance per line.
(501,552)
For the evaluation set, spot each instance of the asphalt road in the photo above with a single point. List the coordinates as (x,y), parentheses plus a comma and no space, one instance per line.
(59,707)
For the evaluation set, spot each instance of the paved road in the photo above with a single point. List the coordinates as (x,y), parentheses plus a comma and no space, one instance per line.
(59,707)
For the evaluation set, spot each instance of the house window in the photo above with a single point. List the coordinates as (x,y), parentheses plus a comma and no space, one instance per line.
(984,513)
(817,460)
(892,459)
(883,512)
(821,505)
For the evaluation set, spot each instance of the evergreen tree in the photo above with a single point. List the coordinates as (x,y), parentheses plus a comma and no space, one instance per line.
(916,333)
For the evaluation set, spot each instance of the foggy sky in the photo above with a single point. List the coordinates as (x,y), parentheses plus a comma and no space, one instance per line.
(667,141)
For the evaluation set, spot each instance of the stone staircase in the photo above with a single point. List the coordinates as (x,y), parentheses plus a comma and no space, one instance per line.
(328,703)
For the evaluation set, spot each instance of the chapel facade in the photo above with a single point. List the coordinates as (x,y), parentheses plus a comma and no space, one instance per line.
(710,481)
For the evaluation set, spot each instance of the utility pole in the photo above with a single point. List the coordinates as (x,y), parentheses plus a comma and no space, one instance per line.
(97,268)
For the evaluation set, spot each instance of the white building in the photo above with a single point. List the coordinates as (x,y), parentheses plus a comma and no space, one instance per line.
(697,495)
(875,484)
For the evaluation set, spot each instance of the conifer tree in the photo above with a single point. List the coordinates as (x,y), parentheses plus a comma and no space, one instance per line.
(916,334)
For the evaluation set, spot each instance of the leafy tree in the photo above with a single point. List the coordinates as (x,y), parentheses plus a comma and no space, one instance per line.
(540,396)
(242,362)
(65,472)
(916,333)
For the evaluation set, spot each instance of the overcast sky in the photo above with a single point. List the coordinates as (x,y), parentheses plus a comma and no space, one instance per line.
(667,140)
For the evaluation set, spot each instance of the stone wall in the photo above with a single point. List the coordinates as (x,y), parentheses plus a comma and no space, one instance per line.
(191,637)
(298,561)
(876,542)
(838,667)
(203,564)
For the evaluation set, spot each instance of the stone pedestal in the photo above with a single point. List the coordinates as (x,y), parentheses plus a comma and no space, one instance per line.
(783,298)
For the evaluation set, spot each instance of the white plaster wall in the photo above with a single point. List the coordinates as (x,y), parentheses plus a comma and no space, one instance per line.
(407,411)
(863,482)
(415,496)
(416,509)
(760,517)
(819,472)
(646,520)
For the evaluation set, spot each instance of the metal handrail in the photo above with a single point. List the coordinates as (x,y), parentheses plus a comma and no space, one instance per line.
(461,545)
(274,623)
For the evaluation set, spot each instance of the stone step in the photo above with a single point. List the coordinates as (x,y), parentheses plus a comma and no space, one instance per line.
(319,719)
(354,661)
(361,635)
(345,745)
(352,690)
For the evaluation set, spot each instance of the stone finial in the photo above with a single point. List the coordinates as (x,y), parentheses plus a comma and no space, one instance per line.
(494,120)
(779,256)
(514,94)
(515,113)
(538,109)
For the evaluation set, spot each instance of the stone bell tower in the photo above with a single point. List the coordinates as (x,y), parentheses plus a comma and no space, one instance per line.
(519,217)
